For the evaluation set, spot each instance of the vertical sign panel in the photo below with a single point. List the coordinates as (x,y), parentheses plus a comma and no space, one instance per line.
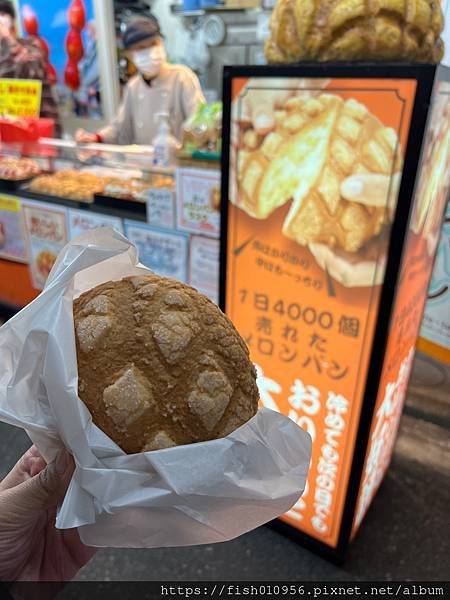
(417,262)
(314,170)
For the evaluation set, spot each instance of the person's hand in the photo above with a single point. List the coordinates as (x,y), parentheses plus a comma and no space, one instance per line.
(370,190)
(31,548)
(84,137)
(259,105)
(257,109)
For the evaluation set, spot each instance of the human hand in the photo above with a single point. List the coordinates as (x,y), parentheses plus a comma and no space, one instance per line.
(257,110)
(259,105)
(85,137)
(370,190)
(31,548)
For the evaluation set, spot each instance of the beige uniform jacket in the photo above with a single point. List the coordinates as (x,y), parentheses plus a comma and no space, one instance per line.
(176,90)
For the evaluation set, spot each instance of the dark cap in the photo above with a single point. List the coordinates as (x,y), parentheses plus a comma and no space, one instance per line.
(142,28)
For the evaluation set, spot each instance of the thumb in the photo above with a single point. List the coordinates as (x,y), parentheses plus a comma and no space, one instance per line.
(43,491)
(371,189)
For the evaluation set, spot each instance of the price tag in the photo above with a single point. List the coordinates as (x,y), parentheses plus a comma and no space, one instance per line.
(164,252)
(20,97)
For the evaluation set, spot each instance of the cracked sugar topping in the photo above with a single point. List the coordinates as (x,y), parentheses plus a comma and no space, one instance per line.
(160,365)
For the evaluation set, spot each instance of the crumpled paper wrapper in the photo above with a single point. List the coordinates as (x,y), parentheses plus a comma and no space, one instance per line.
(194,494)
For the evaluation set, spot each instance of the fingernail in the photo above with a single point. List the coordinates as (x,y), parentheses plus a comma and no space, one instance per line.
(61,462)
(352,187)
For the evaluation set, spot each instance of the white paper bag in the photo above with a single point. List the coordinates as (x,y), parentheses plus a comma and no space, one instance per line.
(194,494)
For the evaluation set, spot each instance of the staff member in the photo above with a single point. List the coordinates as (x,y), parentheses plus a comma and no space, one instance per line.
(158,87)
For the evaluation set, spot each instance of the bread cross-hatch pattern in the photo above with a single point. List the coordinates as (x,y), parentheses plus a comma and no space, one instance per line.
(316,144)
(327,30)
(160,365)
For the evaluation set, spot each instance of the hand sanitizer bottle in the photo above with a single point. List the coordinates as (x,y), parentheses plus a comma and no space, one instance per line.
(164,143)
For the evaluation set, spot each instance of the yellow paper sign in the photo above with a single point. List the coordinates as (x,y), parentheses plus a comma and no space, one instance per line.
(9,203)
(20,97)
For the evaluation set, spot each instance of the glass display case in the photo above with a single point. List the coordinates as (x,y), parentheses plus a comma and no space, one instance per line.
(92,175)
(54,190)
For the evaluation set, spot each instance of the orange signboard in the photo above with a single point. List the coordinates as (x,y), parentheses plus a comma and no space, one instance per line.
(306,255)
(424,229)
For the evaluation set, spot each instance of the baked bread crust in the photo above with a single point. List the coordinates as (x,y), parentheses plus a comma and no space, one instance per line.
(355,29)
(316,144)
(160,365)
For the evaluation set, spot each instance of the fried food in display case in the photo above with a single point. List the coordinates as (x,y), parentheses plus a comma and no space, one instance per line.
(17,169)
(136,189)
(69,183)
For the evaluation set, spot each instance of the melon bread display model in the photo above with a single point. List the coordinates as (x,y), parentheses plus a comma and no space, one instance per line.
(355,30)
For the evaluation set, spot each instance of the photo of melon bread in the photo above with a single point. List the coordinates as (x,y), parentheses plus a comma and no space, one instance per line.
(316,145)
(434,183)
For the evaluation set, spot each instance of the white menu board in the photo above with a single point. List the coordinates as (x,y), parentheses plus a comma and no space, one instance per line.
(204,266)
(46,230)
(83,220)
(161,207)
(198,201)
(164,252)
(13,244)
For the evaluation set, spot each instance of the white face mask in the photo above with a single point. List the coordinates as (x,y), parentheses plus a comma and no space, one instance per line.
(150,60)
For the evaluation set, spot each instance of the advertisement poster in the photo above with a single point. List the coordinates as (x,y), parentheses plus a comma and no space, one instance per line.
(312,199)
(204,266)
(164,252)
(12,235)
(46,228)
(161,207)
(436,320)
(198,201)
(82,220)
(446,32)
(66,31)
(20,97)
(417,263)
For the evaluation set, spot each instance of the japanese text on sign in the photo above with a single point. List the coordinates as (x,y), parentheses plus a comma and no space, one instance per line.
(20,97)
